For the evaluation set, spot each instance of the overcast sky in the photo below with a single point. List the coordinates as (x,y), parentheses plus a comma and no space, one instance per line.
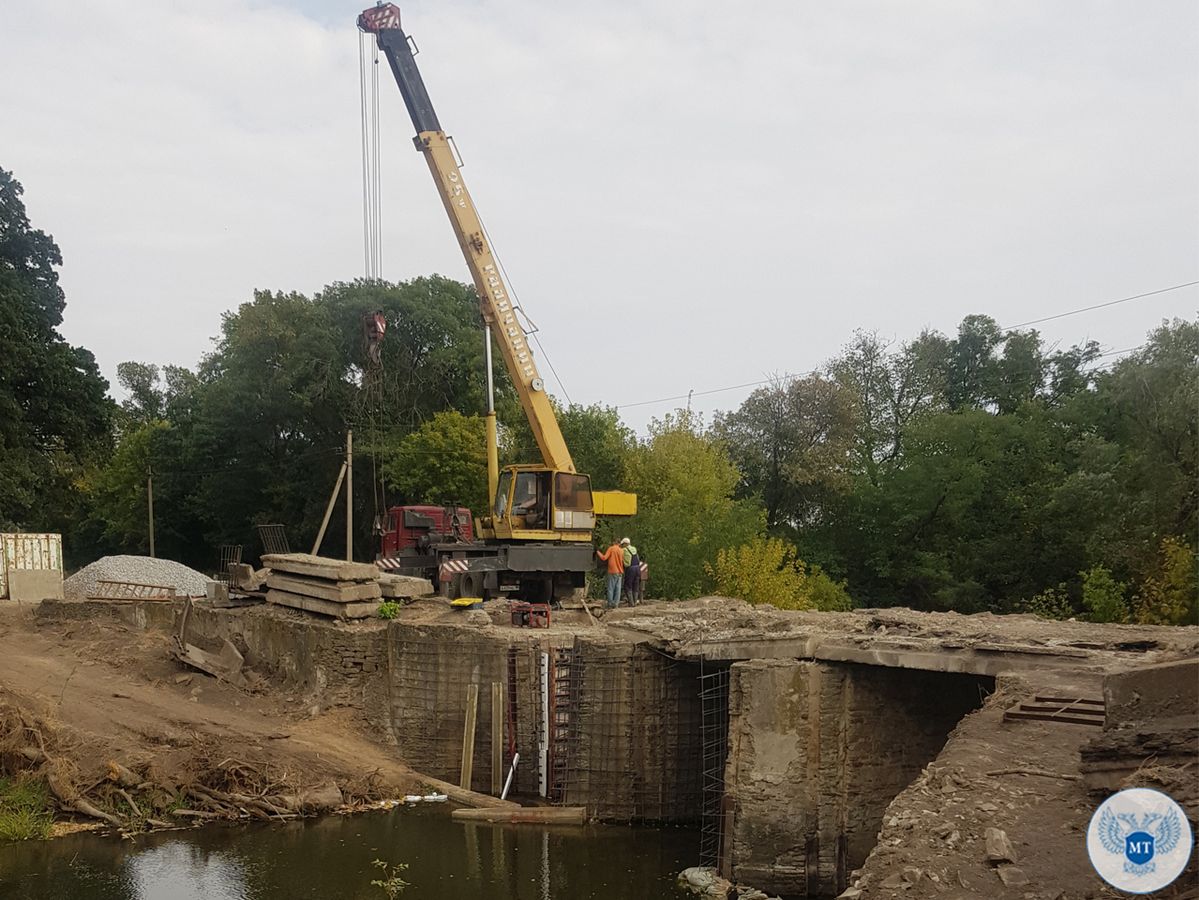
(687,195)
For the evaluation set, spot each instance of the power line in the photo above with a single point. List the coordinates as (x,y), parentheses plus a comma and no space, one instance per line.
(1074,312)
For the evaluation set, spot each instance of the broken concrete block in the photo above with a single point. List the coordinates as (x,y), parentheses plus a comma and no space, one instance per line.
(852,893)
(1012,876)
(404,587)
(999,848)
(704,882)
(322,798)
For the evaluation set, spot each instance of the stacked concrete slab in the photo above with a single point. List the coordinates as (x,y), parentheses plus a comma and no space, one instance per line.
(330,587)
(335,587)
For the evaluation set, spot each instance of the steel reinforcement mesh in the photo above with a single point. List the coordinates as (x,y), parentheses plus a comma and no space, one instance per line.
(714,704)
(635,747)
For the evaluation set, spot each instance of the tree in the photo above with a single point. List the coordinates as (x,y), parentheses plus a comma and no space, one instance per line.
(55,417)
(888,391)
(444,461)
(685,486)
(791,443)
(119,492)
(599,442)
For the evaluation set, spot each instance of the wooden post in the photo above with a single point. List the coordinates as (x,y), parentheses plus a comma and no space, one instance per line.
(497,737)
(320,535)
(150,505)
(468,736)
(349,494)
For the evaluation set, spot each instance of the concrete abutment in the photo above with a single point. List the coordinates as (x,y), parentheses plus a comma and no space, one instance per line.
(817,751)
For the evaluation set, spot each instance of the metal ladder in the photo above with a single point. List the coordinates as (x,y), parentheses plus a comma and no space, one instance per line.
(564,695)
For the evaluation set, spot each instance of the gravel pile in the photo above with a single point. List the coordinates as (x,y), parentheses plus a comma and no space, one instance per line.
(140,569)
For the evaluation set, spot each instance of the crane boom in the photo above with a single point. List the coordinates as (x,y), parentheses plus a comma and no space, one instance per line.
(495,300)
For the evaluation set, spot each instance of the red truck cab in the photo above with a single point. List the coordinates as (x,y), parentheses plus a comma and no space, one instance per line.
(416,528)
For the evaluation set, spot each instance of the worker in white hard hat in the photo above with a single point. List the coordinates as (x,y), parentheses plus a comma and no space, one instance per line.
(632,572)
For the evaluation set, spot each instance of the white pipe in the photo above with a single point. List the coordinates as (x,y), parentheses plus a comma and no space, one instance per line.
(511,775)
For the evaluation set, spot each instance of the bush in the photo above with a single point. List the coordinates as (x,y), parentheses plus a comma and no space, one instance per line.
(767,570)
(1051,603)
(388,609)
(1103,596)
(1168,597)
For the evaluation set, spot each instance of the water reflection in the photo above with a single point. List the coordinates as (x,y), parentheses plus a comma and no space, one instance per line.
(331,858)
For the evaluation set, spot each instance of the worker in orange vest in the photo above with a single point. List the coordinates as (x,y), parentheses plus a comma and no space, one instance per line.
(614,557)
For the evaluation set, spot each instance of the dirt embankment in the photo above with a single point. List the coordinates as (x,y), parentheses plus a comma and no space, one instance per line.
(122,734)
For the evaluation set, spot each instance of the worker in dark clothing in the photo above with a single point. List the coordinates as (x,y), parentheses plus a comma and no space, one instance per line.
(632,572)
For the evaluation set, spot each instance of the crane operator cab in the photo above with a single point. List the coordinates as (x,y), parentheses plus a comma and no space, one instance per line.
(536,503)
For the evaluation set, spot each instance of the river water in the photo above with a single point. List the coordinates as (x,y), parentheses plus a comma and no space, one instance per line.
(330,858)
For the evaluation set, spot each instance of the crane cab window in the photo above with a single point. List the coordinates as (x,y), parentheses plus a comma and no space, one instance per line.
(531,498)
(572,492)
(501,495)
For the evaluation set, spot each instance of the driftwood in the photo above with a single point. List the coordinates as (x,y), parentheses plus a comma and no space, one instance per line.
(1040,772)
(123,777)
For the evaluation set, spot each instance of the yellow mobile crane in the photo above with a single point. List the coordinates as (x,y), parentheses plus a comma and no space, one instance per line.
(537,537)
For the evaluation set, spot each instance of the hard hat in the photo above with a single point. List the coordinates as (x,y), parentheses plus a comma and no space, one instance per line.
(625,541)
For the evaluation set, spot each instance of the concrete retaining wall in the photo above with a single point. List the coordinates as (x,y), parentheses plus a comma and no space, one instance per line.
(816,753)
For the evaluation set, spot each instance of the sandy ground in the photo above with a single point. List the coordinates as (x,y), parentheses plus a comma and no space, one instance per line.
(126,700)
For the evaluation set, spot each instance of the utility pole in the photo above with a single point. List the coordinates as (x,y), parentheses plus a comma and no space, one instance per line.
(349,495)
(150,505)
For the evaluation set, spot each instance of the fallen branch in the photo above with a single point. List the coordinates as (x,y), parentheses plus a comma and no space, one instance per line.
(133,806)
(1041,772)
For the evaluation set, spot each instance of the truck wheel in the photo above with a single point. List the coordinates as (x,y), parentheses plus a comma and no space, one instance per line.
(473,584)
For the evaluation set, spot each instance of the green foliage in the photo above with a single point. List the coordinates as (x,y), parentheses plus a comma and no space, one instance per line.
(1051,603)
(55,417)
(791,443)
(26,809)
(1169,595)
(768,570)
(388,609)
(444,461)
(1103,596)
(685,485)
(391,884)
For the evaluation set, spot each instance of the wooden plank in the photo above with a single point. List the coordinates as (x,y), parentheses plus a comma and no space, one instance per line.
(1047,717)
(468,736)
(528,815)
(1062,708)
(1067,700)
(334,591)
(323,607)
(497,737)
(320,567)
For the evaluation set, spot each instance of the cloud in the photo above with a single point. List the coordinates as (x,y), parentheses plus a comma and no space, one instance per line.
(686,194)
